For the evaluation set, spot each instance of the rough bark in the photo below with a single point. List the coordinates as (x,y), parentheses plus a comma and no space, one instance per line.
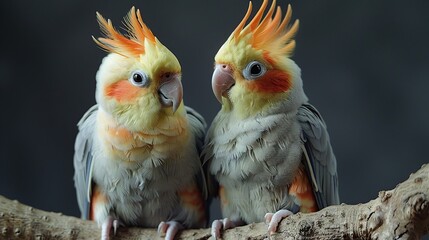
(401,213)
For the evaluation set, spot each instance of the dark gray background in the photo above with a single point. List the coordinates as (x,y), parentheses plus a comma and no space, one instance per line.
(364,66)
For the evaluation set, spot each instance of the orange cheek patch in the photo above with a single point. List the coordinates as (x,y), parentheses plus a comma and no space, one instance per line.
(274,81)
(123,91)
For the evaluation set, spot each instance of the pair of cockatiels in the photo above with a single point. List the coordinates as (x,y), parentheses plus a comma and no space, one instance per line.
(137,159)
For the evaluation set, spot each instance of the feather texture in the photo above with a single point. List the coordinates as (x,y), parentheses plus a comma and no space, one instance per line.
(82,160)
(140,193)
(269,32)
(321,162)
(137,154)
(131,46)
(268,148)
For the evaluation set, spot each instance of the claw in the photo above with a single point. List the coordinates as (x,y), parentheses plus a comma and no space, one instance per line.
(268,217)
(162,228)
(115,226)
(169,229)
(105,228)
(217,225)
(274,219)
(222,224)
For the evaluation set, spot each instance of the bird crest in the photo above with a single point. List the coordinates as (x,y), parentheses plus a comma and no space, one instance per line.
(131,45)
(270,33)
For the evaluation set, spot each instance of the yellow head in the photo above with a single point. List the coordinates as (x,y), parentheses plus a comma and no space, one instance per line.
(253,69)
(139,82)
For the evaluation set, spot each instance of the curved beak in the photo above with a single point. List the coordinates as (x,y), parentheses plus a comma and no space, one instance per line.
(171,91)
(222,81)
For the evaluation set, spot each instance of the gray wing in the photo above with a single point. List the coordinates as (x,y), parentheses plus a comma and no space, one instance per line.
(319,159)
(207,156)
(198,128)
(82,160)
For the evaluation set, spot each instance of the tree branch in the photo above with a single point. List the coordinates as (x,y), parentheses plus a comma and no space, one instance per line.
(401,213)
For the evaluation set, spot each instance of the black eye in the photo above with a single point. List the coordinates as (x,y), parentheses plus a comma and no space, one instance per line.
(139,78)
(254,70)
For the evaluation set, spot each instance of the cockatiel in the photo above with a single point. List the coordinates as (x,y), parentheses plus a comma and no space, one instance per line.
(268,148)
(137,151)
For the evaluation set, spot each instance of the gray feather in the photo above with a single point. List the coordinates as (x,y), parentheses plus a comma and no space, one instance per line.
(198,128)
(321,162)
(82,160)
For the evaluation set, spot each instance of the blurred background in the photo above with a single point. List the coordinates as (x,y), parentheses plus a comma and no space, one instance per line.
(365,66)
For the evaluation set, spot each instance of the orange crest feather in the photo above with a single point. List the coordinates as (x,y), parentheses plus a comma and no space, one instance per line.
(270,33)
(131,45)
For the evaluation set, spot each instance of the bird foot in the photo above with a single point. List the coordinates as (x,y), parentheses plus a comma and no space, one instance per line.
(107,226)
(275,218)
(169,229)
(222,224)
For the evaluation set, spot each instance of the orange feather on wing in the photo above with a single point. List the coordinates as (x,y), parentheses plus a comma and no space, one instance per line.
(97,198)
(222,196)
(301,188)
(192,199)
